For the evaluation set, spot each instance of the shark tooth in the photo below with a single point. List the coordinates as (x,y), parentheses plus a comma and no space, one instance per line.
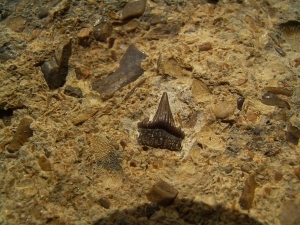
(161,132)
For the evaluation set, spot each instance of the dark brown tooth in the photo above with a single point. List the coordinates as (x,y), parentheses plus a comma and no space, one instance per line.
(163,116)
(161,132)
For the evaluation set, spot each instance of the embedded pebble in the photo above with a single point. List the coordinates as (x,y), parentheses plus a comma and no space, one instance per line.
(247,196)
(297,62)
(104,202)
(293,126)
(102,31)
(167,30)
(131,26)
(56,69)
(162,193)
(205,46)
(297,171)
(84,37)
(278,176)
(43,13)
(239,102)
(73,91)
(223,109)
(82,72)
(273,100)
(156,19)
(44,163)
(171,67)
(8,51)
(133,9)
(228,169)
(291,138)
(60,8)
(21,136)
(280,51)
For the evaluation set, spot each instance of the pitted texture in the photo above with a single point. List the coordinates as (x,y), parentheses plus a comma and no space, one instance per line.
(105,160)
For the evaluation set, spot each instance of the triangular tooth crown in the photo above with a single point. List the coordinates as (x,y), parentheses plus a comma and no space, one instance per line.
(163,119)
(164,113)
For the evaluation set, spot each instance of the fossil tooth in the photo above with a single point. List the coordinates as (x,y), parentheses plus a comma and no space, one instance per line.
(161,132)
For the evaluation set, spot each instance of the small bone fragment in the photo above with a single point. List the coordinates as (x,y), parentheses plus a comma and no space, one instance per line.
(247,196)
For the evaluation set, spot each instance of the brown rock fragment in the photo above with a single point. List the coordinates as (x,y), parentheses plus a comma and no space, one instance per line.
(60,8)
(133,9)
(16,24)
(293,133)
(278,176)
(73,91)
(128,72)
(162,193)
(83,36)
(21,136)
(239,102)
(8,51)
(279,90)
(224,109)
(102,31)
(205,46)
(297,171)
(247,196)
(56,69)
(82,72)
(131,26)
(104,202)
(293,129)
(165,30)
(273,100)
(297,62)
(44,163)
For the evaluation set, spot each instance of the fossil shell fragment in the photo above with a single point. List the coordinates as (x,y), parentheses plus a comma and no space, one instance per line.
(161,132)
(247,196)
(271,99)
(279,90)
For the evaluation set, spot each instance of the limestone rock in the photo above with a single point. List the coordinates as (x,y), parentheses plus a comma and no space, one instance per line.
(223,109)
(162,193)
